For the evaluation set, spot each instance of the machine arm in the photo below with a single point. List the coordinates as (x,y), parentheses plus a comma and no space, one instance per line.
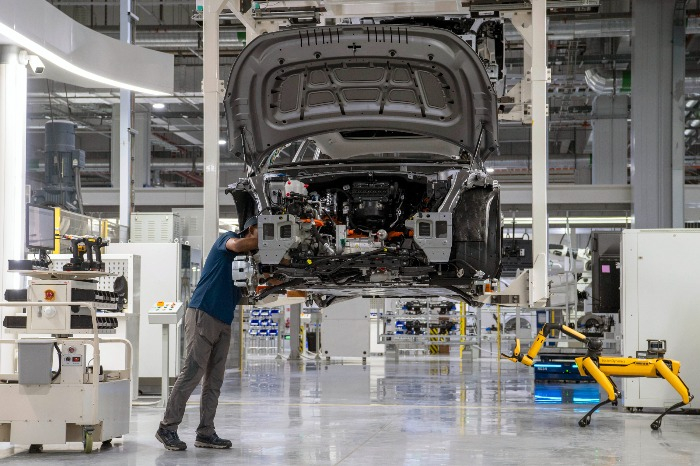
(529,358)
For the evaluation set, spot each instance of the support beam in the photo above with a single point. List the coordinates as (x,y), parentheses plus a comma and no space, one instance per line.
(125,124)
(142,148)
(213,89)
(540,137)
(652,110)
(512,194)
(678,116)
(610,139)
(294,332)
(115,151)
(13,163)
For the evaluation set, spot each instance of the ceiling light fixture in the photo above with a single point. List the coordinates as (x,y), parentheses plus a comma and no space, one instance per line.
(158,106)
(51,57)
(222,142)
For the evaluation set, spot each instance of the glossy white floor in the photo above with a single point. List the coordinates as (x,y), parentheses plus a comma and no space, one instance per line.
(420,411)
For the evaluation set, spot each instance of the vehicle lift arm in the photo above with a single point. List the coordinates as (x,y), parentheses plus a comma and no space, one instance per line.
(595,365)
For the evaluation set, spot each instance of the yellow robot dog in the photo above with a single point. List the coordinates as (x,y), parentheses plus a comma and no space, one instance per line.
(601,368)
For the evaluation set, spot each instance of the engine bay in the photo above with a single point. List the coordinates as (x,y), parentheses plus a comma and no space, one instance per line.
(351,215)
(342,230)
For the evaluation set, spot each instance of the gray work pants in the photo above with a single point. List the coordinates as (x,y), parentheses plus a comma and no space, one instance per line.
(207,340)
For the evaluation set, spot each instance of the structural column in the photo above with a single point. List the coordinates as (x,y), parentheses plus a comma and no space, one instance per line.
(678,116)
(610,139)
(13,165)
(540,147)
(125,105)
(653,102)
(114,148)
(142,149)
(212,87)
(294,331)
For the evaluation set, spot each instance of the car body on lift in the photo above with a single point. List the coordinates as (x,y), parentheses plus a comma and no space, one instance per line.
(365,150)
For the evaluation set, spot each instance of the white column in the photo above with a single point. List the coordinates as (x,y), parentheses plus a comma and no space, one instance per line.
(212,89)
(538,75)
(610,139)
(125,103)
(678,118)
(142,149)
(114,148)
(13,162)
(653,94)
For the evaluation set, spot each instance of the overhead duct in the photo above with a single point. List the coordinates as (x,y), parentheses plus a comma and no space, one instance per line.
(159,163)
(180,39)
(175,40)
(603,81)
(592,28)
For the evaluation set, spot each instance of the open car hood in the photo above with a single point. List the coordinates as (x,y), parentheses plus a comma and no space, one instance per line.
(294,84)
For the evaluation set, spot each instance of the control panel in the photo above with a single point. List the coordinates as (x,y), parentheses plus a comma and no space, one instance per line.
(72,363)
(164,312)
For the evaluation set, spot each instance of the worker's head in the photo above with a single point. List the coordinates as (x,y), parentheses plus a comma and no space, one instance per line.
(250,228)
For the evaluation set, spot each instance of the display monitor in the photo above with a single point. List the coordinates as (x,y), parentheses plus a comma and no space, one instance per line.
(40,227)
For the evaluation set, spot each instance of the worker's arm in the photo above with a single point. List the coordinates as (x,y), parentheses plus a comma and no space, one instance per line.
(247,244)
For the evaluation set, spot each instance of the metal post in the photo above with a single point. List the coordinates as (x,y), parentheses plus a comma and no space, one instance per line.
(125,104)
(610,139)
(678,116)
(114,148)
(13,156)
(212,88)
(294,324)
(165,377)
(539,78)
(142,148)
(477,316)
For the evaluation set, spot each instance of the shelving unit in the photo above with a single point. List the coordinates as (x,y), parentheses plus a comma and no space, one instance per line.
(421,327)
(262,330)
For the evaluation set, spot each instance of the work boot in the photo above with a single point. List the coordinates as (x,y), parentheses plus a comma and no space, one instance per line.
(211,441)
(170,440)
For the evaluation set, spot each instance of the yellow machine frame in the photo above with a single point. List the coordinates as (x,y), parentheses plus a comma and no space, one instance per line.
(601,368)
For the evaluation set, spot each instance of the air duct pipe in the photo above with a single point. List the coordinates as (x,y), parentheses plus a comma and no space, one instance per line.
(603,82)
(592,28)
(175,39)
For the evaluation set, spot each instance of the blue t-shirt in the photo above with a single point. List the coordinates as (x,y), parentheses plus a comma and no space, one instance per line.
(215,293)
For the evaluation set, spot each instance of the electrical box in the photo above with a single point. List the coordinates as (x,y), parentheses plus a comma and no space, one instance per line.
(34,361)
(605,249)
(155,227)
(72,363)
(517,254)
(58,319)
(659,279)
(166,313)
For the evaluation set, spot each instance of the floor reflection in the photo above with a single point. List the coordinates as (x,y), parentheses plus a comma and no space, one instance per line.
(580,394)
